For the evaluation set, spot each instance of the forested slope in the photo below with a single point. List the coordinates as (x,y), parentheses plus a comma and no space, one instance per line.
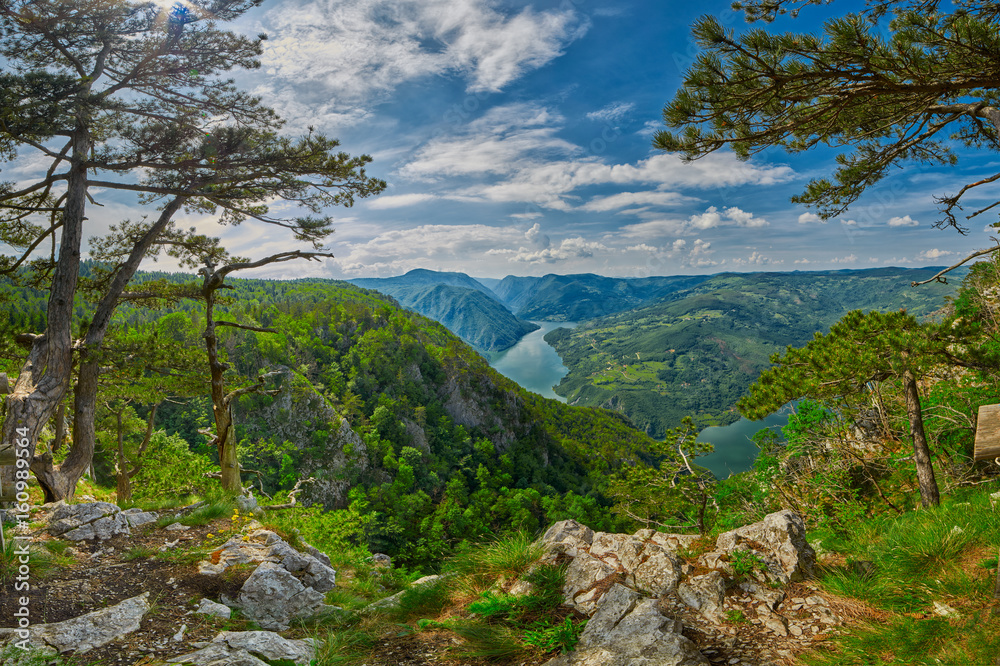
(399,421)
(697,354)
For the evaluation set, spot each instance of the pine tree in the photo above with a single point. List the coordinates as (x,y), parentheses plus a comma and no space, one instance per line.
(131,93)
(903,82)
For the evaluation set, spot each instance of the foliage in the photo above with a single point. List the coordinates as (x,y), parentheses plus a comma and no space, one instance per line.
(746,562)
(171,469)
(561,638)
(695,351)
(916,559)
(888,86)
(670,491)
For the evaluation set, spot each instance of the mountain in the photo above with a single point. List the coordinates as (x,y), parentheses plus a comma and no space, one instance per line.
(464,305)
(696,352)
(585,296)
(472,315)
(423,277)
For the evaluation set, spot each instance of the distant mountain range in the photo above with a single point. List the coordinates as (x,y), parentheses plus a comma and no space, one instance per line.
(659,348)
(465,306)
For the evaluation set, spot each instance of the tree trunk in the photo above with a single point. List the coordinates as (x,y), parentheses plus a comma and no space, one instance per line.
(929,495)
(81,453)
(225,438)
(45,376)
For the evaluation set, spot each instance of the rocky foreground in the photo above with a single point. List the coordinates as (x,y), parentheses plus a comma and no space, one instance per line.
(650,601)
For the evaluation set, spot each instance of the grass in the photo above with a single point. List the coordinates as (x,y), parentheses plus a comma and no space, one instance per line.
(40,560)
(945,554)
(468,602)
(138,553)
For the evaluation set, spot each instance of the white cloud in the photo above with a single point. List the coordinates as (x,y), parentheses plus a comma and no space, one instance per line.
(359,50)
(701,247)
(395,251)
(757,259)
(849,223)
(399,200)
(679,245)
(711,218)
(905,221)
(569,248)
(849,259)
(519,143)
(803,261)
(811,218)
(623,199)
(933,254)
(650,127)
(611,113)
(532,215)
(641,247)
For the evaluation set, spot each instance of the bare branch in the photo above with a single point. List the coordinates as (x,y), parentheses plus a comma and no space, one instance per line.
(938,277)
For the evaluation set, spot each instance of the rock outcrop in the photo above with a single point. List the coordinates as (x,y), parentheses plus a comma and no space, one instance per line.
(286,585)
(637,589)
(95,520)
(249,648)
(89,631)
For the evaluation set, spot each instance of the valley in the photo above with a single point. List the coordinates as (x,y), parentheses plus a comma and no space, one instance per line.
(660,348)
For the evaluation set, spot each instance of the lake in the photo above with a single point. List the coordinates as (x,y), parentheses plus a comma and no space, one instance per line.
(536,366)
(734,451)
(532,363)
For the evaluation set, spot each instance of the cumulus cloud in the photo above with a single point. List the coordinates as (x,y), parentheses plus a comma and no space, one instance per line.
(569,248)
(359,50)
(933,254)
(711,218)
(395,250)
(757,259)
(905,221)
(849,223)
(803,261)
(701,247)
(811,218)
(611,113)
(399,200)
(624,199)
(679,245)
(518,144)
(849,259)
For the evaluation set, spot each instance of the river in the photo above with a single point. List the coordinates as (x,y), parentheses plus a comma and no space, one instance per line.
(536,366)
(532,363)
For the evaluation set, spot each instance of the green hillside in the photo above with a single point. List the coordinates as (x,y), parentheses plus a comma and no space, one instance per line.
(464,305)
(408,432)
(584,296)
(697,355)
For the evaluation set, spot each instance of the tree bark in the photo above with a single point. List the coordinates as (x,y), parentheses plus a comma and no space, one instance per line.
(45,376)
(225,438)
(929,495)
(65,477)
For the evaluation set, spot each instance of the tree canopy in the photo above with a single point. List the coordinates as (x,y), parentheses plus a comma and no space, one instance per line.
(902,82)
(128,97)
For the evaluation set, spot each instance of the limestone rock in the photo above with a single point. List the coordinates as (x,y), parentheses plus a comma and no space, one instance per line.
(393,601)
(705,593)
(627,630)
(604,544)
(94,520)
(568,536)
(92,630)
(209,607)
(583,573)
(272,597)
(769,596)
(660,573)
(177,527)
(230,648)
(780,541)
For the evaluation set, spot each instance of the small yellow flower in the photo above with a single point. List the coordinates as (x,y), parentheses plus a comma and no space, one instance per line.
(246,537)
(209,535)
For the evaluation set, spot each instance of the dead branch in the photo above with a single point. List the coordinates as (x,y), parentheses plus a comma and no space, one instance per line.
(291,496)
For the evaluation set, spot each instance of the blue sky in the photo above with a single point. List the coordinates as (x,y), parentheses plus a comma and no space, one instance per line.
(516,139)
